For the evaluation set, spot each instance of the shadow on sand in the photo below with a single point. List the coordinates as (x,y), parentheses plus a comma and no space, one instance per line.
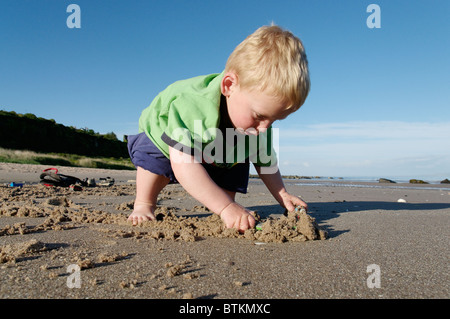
(325,211)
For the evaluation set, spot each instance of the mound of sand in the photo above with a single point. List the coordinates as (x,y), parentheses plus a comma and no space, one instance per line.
(62,213)
(296,226)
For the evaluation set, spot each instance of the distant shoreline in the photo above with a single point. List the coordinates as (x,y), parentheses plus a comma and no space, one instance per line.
(363,179)
(20,172)
(360,184)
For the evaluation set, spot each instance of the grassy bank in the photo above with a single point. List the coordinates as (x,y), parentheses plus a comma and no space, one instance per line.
(53,159)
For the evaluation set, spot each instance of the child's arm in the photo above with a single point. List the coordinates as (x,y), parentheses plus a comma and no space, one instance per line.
(275,185)
(196,181)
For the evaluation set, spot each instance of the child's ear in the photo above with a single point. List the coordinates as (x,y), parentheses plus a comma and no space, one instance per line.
(229,83)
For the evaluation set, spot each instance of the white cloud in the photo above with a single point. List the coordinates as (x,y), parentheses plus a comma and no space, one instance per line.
(370,130)
(366,148)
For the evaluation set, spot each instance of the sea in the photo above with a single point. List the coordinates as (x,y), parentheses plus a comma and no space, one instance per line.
(372,182)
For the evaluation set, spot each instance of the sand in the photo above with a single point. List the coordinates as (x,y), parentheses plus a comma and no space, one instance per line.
(187,253)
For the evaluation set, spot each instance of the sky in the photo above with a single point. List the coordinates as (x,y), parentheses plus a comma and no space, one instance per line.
(379,103)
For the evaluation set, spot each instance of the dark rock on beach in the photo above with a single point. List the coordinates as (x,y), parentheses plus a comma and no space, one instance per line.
(417,181)
(385,180)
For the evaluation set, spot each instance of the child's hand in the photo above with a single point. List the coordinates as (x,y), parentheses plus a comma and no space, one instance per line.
(236,216)
(291,201)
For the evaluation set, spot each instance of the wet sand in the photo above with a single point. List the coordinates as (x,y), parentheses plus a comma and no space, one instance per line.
(46,231)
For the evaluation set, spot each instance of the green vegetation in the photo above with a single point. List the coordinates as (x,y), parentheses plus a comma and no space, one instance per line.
(53,159)
(28,139)
(29,132)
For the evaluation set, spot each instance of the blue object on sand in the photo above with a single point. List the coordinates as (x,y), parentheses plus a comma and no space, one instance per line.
(13,184)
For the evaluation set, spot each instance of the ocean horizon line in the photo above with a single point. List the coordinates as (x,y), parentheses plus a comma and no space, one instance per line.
(430,179)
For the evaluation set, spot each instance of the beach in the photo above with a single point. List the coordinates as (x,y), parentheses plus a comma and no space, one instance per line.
(59,243)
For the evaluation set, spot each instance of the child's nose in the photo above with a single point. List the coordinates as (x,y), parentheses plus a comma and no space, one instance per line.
(263,126)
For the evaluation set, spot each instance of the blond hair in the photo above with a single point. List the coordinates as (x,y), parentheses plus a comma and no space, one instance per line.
(273,61)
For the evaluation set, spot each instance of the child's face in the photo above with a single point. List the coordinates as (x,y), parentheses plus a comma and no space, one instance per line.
(253,112)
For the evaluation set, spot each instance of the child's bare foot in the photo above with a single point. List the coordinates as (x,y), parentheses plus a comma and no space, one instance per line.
(142,212)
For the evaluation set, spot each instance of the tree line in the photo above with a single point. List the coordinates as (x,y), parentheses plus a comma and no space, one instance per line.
(29,132)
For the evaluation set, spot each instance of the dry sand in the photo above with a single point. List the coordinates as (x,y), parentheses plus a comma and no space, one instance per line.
(188,254)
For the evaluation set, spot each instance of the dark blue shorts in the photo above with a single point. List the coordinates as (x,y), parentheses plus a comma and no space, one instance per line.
(145,154)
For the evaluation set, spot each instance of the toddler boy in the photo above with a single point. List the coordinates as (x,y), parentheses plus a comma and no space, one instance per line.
(203,132)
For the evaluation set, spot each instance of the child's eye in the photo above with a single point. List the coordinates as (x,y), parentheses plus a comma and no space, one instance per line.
(259,116)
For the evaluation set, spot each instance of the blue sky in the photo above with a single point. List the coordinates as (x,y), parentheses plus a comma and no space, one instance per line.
(379,103)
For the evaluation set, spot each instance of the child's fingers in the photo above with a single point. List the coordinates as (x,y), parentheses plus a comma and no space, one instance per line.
(247,222)
(251,221)
(238,223)
(231,224)
(299,202)
(289,206)
(241,223)
(293,202)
